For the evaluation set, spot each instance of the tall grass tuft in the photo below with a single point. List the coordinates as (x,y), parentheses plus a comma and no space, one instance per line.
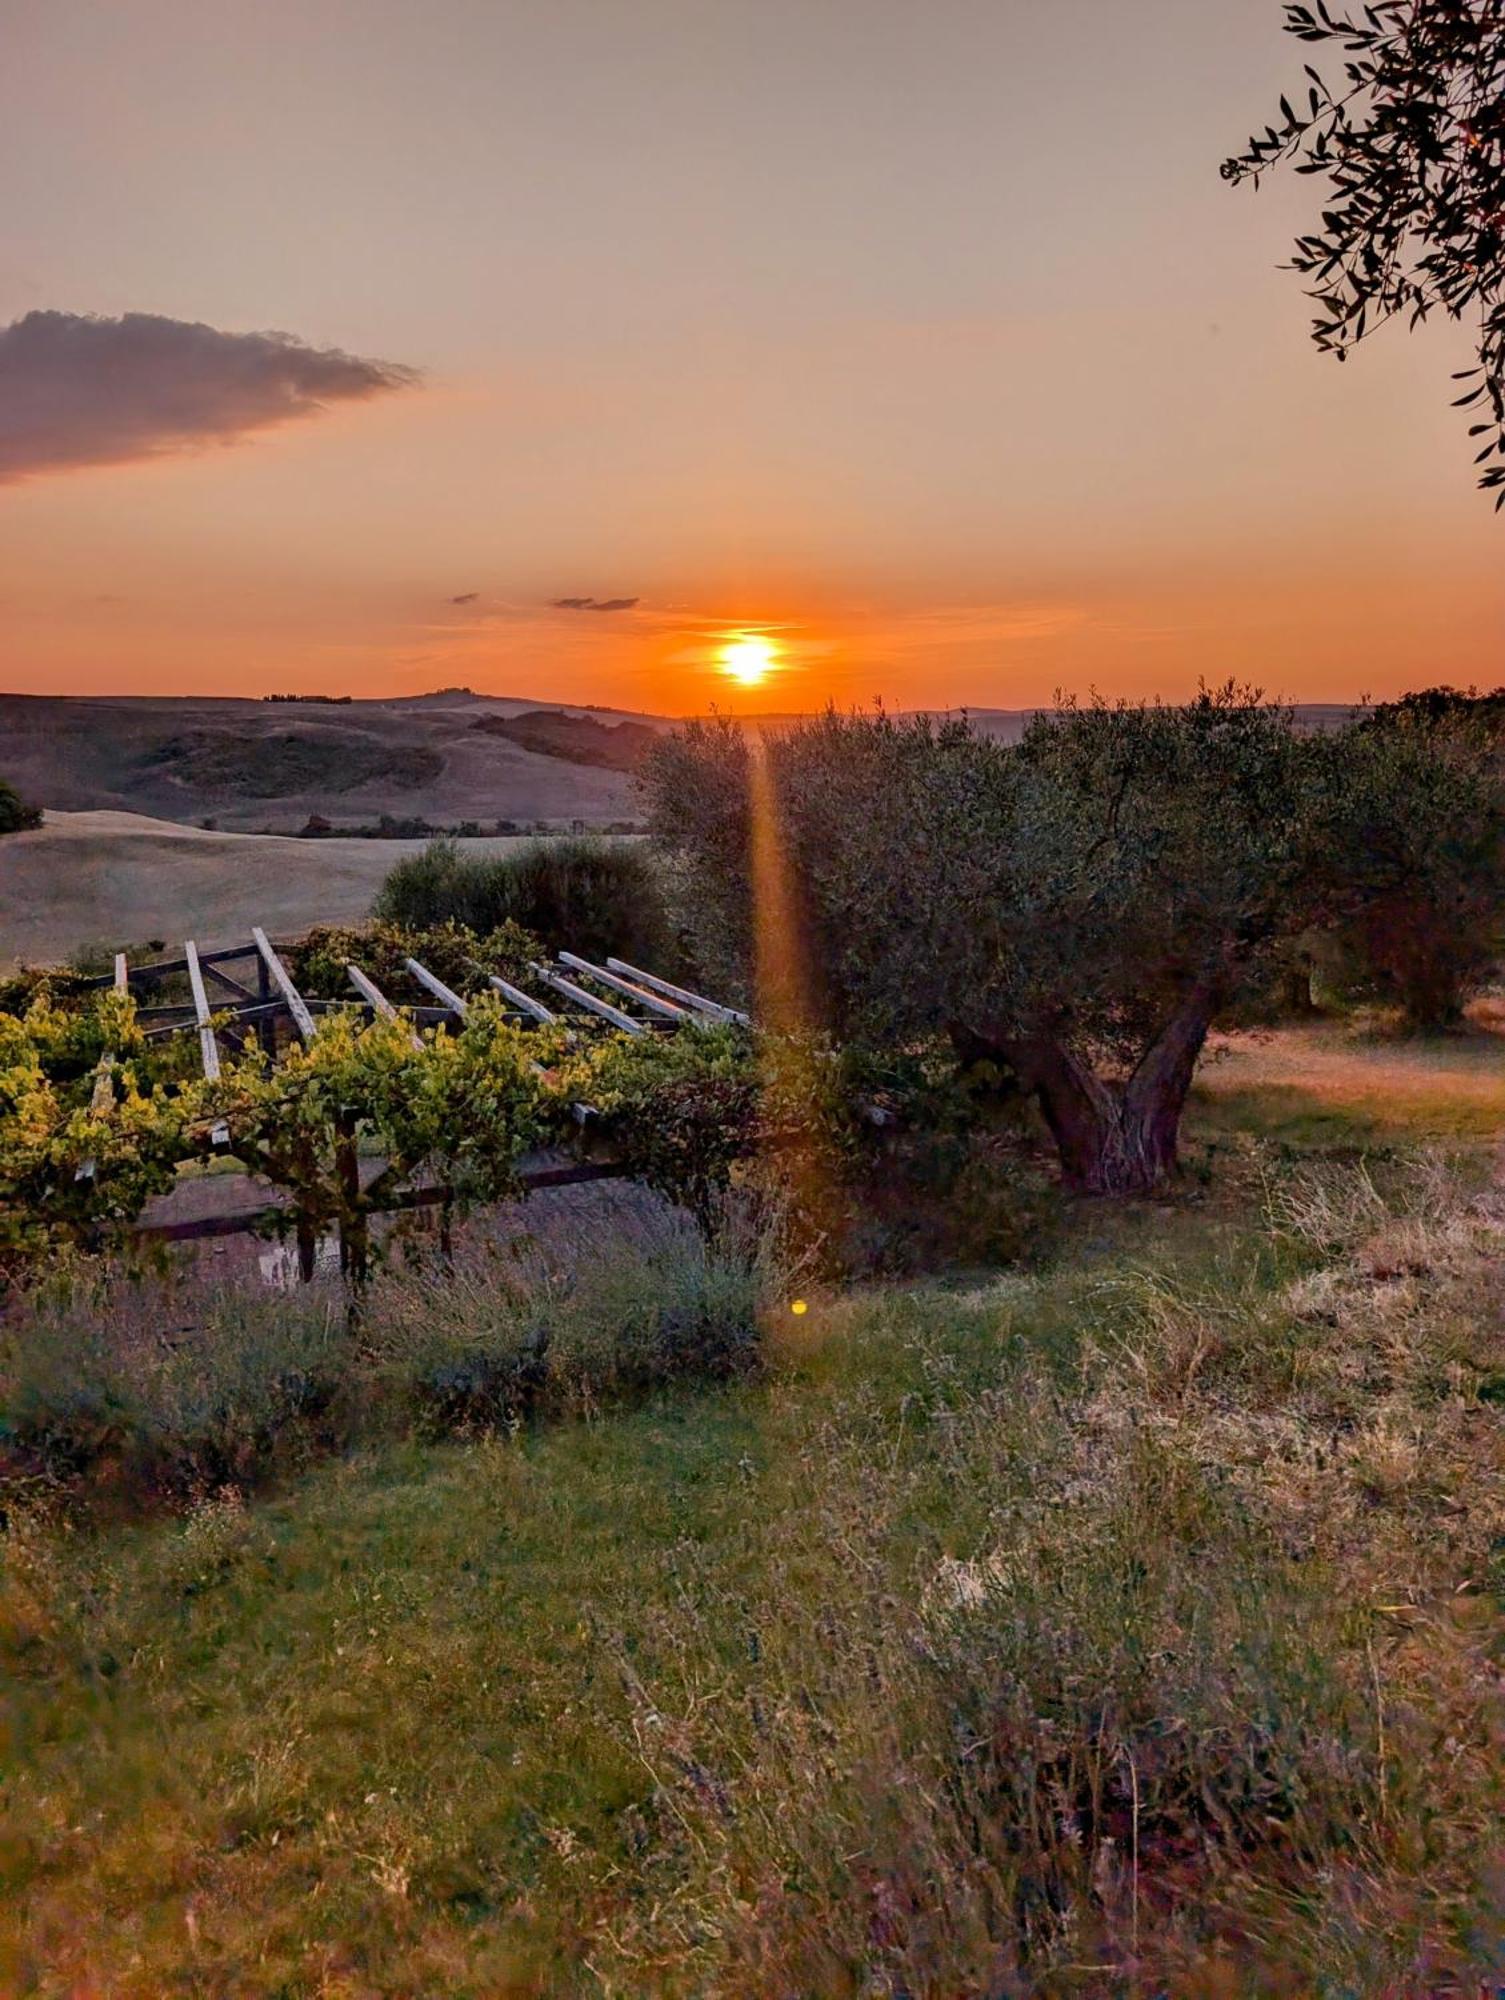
(494,1336)
(594,896)
(174,1389)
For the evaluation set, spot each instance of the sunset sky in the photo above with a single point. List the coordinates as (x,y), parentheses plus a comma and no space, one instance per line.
(917,340)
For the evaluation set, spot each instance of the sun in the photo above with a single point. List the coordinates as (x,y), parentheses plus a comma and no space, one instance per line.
(748,659)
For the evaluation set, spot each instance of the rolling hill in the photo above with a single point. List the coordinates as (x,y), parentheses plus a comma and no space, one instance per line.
(110,880)
(268,766)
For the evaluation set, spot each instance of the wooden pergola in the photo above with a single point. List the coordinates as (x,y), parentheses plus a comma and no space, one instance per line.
(244,995)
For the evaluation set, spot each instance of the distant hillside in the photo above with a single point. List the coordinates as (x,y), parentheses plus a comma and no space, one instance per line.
(579,739)
(109,880)
(272,766)
(253,766)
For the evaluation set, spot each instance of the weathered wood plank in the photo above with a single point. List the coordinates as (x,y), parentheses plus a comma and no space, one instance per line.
(524,1002)
(100,1099)
(588,1001)
(372,994)
(122,974)
(437,987)
(208,1047)
(697,1001)
(303,1021)
(669,1010)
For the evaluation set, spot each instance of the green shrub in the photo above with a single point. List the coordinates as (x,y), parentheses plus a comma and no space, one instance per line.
(16,816)
(597,897)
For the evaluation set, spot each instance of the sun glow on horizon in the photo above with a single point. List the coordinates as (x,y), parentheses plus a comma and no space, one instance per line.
(748,659)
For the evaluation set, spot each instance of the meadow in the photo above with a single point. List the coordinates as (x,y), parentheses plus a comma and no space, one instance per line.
(1127,1621)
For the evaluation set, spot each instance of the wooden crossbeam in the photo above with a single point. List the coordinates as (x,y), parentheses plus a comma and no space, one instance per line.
(524,1002)
(243,994)
(712,1008)
(437,987)
(303,1021)
(669,1010)
(164,967)
(586,1000)
(378,1002)
(208,1048)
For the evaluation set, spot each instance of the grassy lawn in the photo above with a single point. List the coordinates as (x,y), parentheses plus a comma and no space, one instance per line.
(1130,1625)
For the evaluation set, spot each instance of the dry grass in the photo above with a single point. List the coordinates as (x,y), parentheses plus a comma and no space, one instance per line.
(1132,1627)
(1334,1085)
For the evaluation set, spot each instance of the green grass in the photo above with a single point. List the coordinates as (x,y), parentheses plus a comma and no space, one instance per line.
(1130,1625)
(1321,1089)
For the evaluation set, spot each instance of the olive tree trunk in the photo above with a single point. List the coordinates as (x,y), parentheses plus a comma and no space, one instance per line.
(1114,1138)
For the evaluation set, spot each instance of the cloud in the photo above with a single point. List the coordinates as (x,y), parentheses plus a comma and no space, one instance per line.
(594,603)
(466,597)
(79,390)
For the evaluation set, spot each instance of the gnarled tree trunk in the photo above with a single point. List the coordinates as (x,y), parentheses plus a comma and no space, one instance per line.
(1113,1138)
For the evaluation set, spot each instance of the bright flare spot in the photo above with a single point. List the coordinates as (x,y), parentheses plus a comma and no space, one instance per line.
(799,1306)
(748,658)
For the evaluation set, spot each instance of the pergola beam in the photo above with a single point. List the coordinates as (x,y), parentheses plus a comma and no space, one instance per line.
(208,1048)
(524,1002)
(458,1007)
(696,1001)
(588,1001)
(668,1010)
(303,1021)
(378,1002)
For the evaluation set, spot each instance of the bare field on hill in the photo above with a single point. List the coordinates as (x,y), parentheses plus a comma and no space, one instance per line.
(116,879)
(266,766)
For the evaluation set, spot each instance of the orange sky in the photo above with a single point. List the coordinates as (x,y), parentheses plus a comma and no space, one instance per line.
(925,341)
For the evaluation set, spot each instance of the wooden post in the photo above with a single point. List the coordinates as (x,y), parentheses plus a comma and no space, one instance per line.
(355,1240)
(308,1245)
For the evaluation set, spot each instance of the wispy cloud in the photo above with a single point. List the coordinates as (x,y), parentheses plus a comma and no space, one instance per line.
(594,603)
(466,597)
(79,390)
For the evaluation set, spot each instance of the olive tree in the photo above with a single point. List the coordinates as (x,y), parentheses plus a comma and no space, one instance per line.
(1409,140)
(1076,909)
(1413,856)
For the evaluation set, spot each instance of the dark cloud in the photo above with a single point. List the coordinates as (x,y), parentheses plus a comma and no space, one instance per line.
(79,390)
(594,603)
(466,597)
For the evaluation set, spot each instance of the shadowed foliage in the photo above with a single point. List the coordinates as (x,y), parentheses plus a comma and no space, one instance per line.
(597,897)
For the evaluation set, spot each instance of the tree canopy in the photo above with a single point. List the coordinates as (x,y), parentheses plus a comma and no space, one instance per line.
(16,816)
(1076,909)
(1079,909)
(1411,144)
